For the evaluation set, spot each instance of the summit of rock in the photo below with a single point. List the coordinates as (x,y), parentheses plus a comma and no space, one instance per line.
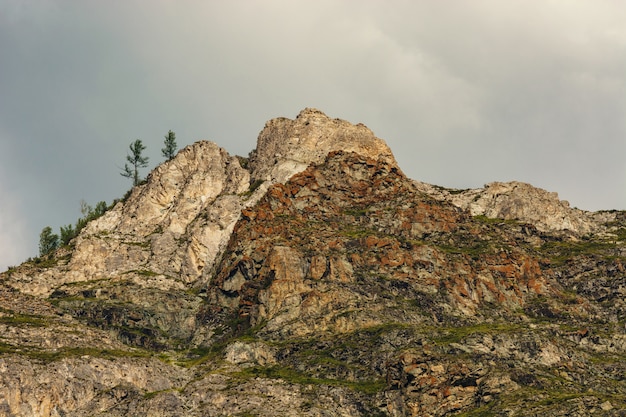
(315,279)
(287,146)
(178,223)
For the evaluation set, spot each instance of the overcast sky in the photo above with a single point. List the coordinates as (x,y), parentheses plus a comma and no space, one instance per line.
(464,92)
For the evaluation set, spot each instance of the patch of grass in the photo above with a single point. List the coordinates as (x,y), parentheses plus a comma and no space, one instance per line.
(356,212)
(454,191)
(445,336)
(621,234)
(101,353)
(379,329)
(451,190)
(5,348)
(558,397)
(253,187)
(102,234)
(152,394)
(47,261)
(294,377)
(474,250)
(146,273)
(199,355)
(78,284)
(493,220)
(144,245)
(562,251)
(353,232)
(157,231)
(47,356)
(16,319)
(605,358)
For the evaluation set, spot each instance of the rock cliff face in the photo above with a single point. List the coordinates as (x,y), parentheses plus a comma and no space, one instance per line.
(316,279)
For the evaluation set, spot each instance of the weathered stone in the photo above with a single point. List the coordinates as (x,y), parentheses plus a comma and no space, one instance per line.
(519,201)
(251,353)
(286,147)
(318,281)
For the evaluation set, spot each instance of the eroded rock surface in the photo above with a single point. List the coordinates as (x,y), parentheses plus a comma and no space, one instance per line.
(286,147)
(519,201)
(316,279)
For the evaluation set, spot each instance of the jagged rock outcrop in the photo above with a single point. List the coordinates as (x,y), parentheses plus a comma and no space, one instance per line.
(316,279)
(286,147)
(518,201)
(173,226)
(377,225)
(178,222)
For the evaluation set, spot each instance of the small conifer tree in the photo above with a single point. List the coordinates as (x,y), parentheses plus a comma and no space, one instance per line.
(67,233)
(136,161)
(48,241)
(170,146)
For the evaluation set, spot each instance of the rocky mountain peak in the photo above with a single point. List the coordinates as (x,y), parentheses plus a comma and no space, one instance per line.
(286,146)
(178,223)
(315,278)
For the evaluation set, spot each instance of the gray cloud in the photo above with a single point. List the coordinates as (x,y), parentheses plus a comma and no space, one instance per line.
(464,93)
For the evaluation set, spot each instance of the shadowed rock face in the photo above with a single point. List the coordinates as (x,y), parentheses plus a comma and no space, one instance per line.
(316,279)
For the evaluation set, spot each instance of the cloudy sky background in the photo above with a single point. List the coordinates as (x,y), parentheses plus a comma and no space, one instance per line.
(464,92)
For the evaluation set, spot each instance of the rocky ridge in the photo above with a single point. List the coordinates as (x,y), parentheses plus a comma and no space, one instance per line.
(520,201)
(314,279)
